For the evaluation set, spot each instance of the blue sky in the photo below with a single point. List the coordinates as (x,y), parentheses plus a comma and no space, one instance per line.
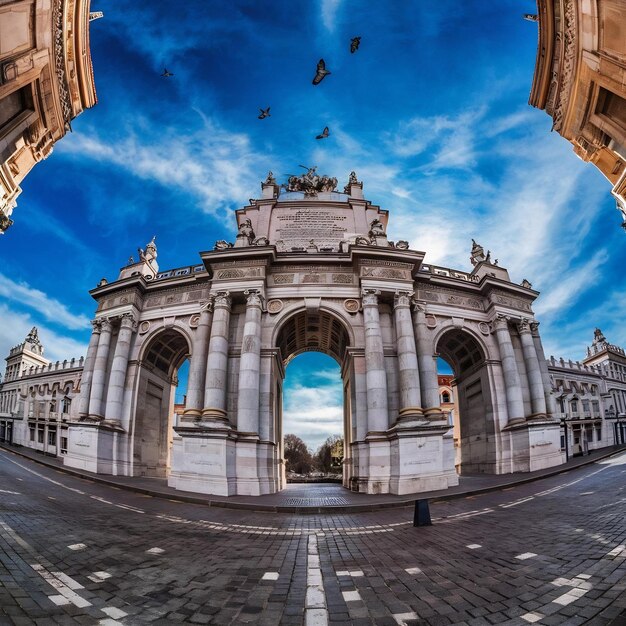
(431,112)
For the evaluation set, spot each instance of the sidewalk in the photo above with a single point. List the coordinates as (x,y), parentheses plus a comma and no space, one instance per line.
(315,497)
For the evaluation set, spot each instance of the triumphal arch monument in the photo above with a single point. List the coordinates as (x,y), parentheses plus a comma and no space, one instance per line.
(312,269)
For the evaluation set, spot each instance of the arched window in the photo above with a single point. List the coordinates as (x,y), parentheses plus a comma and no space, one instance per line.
(445,397)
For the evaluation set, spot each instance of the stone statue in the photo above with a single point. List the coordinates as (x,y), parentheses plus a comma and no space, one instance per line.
(488,257)
(376,228)
(478,253)
(246,230)
(270,180)
(310,183)
(598,337)
(222,244)
(150,253)
(131,260)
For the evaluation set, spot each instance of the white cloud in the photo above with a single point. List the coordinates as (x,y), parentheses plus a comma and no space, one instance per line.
(15,327)
(329,10)
(49,308)
(217,166)
(314,411)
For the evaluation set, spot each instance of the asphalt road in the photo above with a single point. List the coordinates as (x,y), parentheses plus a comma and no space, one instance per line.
(77,552)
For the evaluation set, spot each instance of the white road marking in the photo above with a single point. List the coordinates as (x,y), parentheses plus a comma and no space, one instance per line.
(570,596)
(315,611)
(413,570)
(59,600)
(270,576)
(155,551)
(616,551)
(98,577)
(516,502)
(77,546)
(110,622)
(70,582)
(525,555)
(403,618)
(113,612)
(351,596)
(474,546)
(532,617)
(13,493)
(61,587)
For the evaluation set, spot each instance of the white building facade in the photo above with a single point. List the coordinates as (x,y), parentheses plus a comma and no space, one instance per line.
(312,269)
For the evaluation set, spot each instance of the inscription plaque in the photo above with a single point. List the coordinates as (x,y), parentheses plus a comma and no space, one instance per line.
(297,226)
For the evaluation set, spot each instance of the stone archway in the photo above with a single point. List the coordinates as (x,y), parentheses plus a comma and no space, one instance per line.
(315,331)
(152,425)
(476,432)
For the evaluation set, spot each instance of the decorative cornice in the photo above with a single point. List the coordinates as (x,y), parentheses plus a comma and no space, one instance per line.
(59,61)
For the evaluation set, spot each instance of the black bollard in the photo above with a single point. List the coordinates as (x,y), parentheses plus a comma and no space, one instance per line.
(421,516)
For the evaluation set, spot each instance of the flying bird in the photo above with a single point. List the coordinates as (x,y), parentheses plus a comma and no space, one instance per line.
(354,44)
(166,73)
(264,113)
(321,72)
(323,134)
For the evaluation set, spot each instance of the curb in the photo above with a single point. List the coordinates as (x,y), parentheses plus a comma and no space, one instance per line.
(303,510)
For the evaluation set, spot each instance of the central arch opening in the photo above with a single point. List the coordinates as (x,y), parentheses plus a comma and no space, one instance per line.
(466,394)
(159,399)
(314,399)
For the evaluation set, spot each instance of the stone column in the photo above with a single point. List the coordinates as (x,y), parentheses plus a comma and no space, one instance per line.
(85,381)
(429,383)
(217,360)
(375,374)
(198,364)
(543,366)
(533,370)
(512,382)
(410,396)
(115,392)
(249,365)
(100,373)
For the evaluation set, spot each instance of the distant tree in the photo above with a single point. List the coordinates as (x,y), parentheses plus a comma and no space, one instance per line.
(329,455)
(298,458)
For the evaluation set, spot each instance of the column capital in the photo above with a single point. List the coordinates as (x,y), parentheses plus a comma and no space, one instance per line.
(207,305)
(127,320)
(501,321)
(524,326)
(222,299)
(534,327)
(97,326)
(370,297)
(419,306)
(402,299)
(105,325)
(253,298)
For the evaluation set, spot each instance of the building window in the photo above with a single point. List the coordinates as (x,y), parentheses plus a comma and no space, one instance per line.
(67,404)
(598,433)
(31,430)
(63,445)
(445,397)
(596,407)
(574,406)
(40,434)
(52,437)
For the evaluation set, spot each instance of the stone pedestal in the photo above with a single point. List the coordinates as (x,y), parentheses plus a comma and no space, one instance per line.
(378,467)
(203,460)
(422,459)
(535,445)
(93,447)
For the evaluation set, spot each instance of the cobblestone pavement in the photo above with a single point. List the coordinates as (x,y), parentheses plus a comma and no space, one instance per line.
(76,552)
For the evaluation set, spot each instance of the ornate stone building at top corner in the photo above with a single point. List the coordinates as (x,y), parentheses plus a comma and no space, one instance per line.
(580,81)
(46,80)
(312,269)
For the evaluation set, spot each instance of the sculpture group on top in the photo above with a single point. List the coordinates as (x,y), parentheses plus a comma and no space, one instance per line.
(310,183)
